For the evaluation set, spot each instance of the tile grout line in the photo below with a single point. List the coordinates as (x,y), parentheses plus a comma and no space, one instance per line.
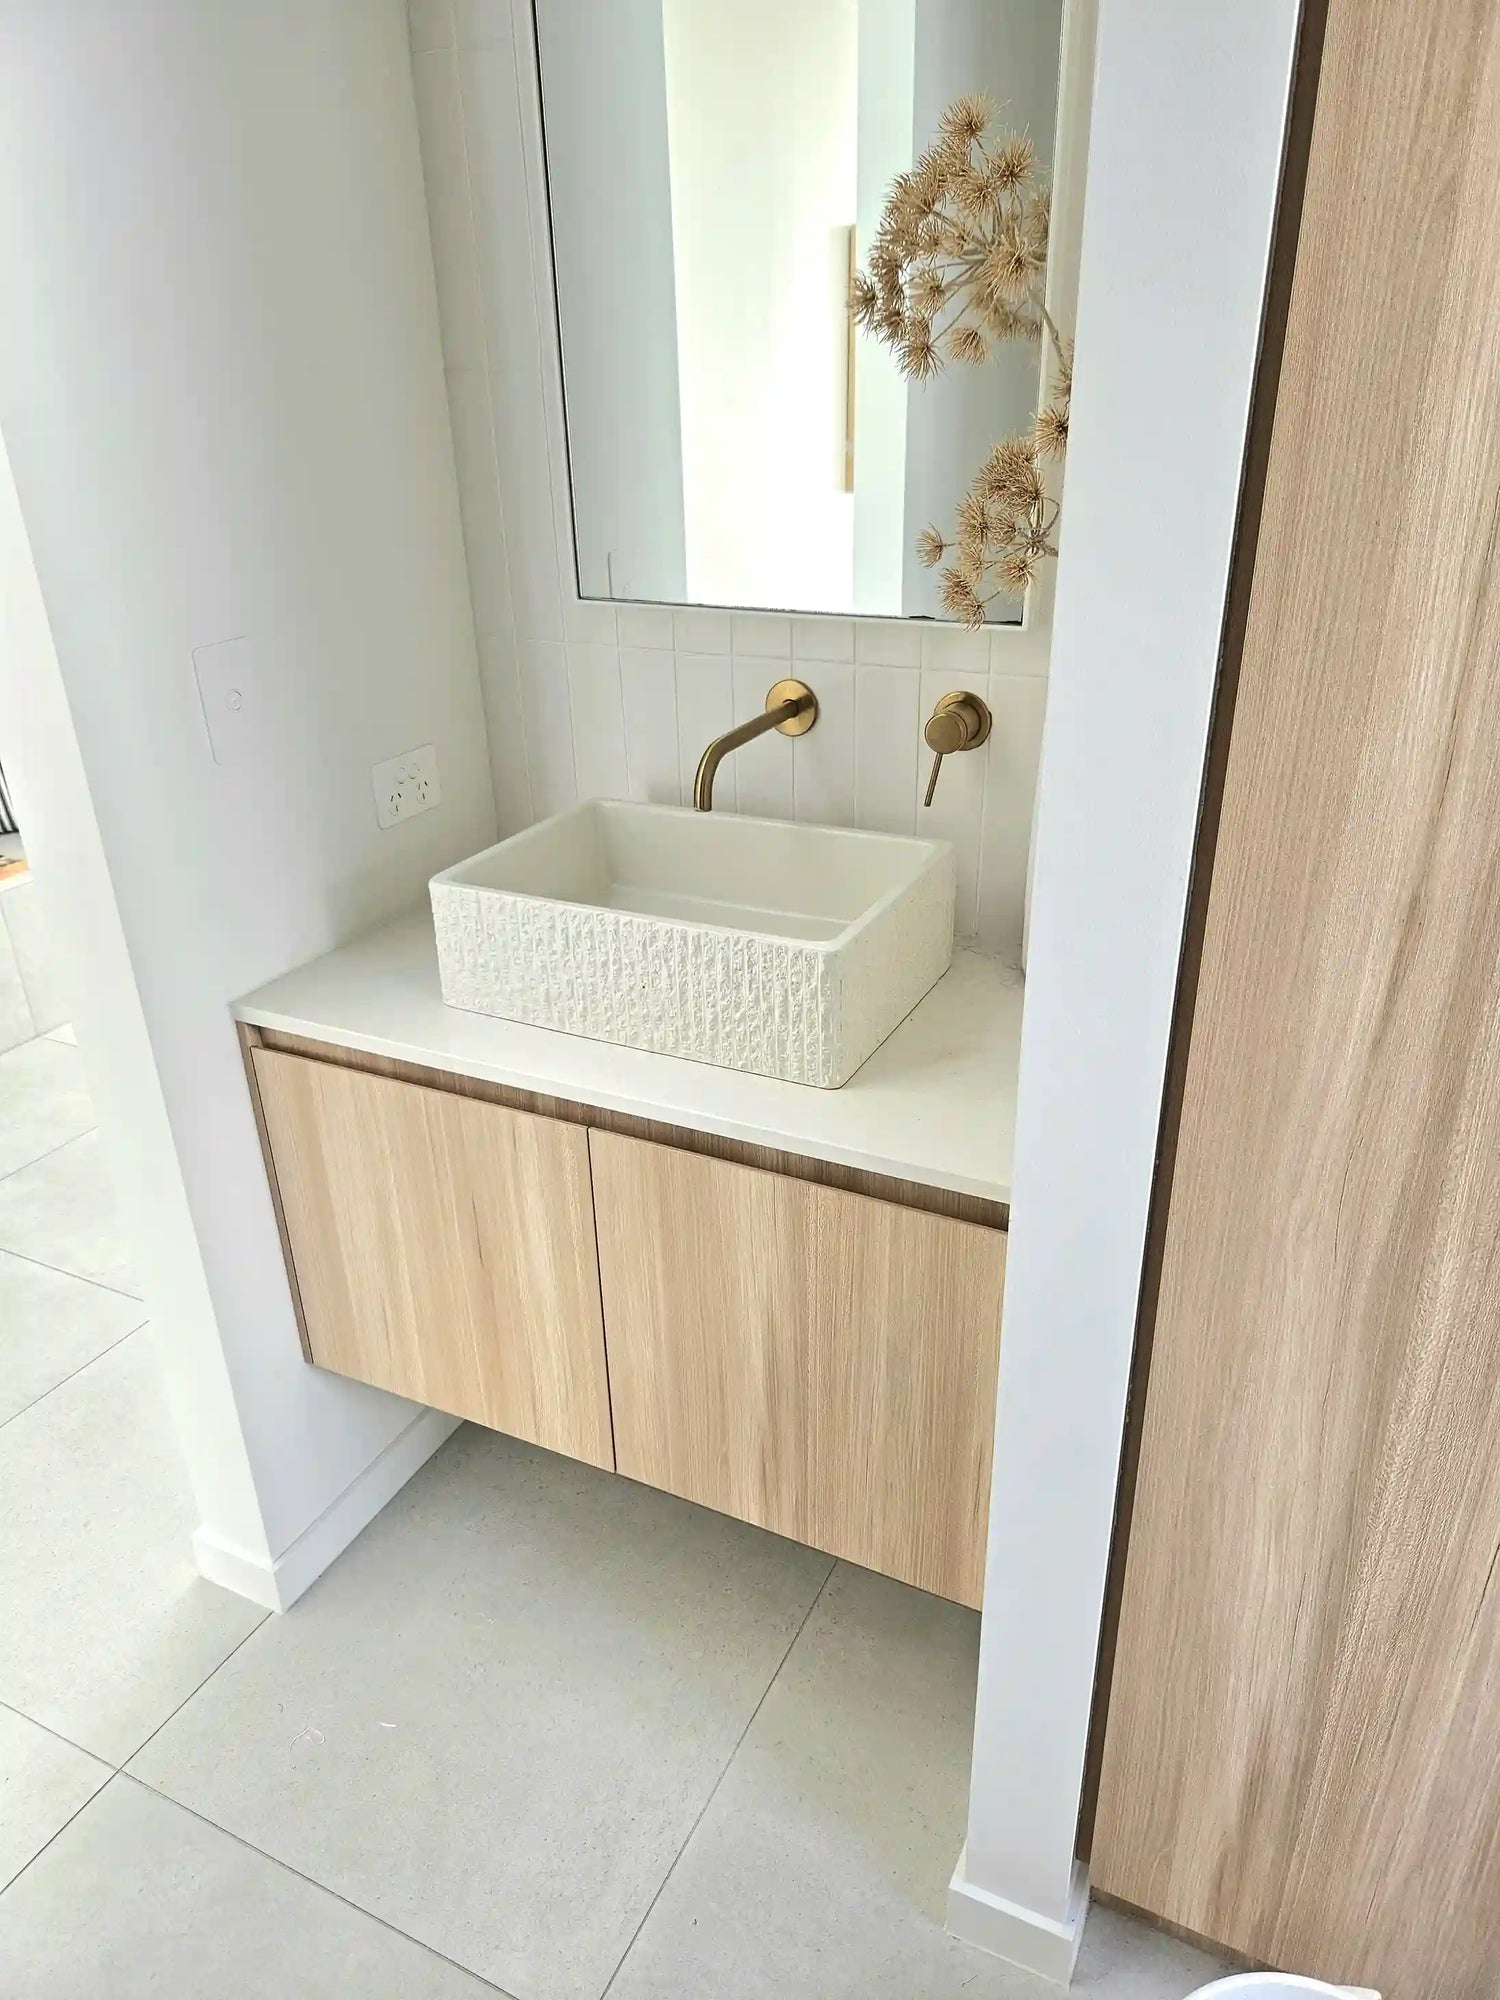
(193,1693)
(61,1146)
(176,1710)
(63,1272)
(72,1376)
(723,1774)
(311,1880)
(46,1727)
(6,1887)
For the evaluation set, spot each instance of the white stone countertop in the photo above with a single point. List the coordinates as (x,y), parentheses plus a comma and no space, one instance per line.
(936,1103)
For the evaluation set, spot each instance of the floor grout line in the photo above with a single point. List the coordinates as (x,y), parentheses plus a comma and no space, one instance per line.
(61,1146)
(833,1564)
(146,1742)
(311,1880)
(73,1374)
(62,1271)
(58,1735)
(35,1858)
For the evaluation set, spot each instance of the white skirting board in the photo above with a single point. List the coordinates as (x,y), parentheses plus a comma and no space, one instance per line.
(278,1584)
(1023,1937)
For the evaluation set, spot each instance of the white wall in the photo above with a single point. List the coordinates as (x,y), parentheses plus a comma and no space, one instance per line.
(222,399)
(588,698)
(604,73)
(762,101)
(1186,143)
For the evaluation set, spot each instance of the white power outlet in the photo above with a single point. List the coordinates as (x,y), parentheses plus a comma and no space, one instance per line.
(406,785)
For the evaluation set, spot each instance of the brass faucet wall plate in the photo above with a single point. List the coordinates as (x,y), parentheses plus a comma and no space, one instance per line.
(957,699)
(799,724)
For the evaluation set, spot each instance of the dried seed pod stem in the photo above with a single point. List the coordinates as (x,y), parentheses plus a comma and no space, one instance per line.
(958,264)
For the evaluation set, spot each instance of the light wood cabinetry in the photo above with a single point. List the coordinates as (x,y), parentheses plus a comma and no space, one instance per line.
(806,1356)
(811,1360)
(1302,1753)
(442,1248)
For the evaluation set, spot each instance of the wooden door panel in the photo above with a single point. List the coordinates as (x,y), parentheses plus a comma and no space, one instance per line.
(443,1248)
(1302,1755)
(814,1361)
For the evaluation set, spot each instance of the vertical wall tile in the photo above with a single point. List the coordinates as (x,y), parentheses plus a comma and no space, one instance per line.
(429,25)
(1014,650)
(598,721)
(648,687)
(527,503)
(445,177)
(823,759)
(887,643)
(497,180)
(479,500)
(957,810)
(705,709)
(505,722)
(822,639)
(543,667)
(645,625)
(584,617)
(483,23)
(701,631)
(763,769)
(764,636)
(888,748)
(1019,703)
(949,649)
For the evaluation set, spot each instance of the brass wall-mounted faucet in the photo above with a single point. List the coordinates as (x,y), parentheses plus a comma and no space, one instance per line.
(791,707)
(961,721)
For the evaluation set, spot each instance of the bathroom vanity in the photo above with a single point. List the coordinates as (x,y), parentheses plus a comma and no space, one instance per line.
(780,1302)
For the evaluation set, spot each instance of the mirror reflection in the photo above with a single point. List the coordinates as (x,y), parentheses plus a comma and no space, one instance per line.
(718,174)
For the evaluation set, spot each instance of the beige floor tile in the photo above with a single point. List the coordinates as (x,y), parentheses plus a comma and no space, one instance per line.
(137,1898)
(44,1101)
(495,1720)
(821,1867)
(16,1024)
(62,1211)
(106,1626)
(43,1782)
(51,1325)
(45,976)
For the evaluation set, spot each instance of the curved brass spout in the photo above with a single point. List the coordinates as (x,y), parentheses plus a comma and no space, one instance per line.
(791,707)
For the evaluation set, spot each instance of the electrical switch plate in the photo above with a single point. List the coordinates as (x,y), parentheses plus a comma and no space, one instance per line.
(406,785)
(231,700)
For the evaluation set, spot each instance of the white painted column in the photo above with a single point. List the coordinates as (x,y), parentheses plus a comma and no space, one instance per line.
(222,400)
(1185,156)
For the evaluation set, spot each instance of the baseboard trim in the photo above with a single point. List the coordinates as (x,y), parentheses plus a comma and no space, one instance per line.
(278,1584)
(1023,1937)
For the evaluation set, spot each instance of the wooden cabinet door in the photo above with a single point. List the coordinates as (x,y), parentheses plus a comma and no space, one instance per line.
(1302,1753)
(443,1247)
(814,1361)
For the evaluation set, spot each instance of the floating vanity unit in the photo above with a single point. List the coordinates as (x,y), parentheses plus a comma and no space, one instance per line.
(782,1303)
(789,950)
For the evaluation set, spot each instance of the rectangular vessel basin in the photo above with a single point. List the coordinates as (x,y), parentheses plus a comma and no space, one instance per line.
(784,949)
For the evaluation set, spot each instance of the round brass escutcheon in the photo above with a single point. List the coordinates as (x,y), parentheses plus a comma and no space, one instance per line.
(974,727)
(806,716)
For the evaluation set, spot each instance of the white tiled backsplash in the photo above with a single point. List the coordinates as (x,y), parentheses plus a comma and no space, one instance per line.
(618,701)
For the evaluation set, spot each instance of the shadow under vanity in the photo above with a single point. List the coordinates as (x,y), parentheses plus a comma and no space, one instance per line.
(780,1302)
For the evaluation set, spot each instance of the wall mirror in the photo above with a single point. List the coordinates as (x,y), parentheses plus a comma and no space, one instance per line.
(717,172)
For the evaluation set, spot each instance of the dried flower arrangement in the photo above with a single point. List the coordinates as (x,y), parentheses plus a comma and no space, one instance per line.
(958,263)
